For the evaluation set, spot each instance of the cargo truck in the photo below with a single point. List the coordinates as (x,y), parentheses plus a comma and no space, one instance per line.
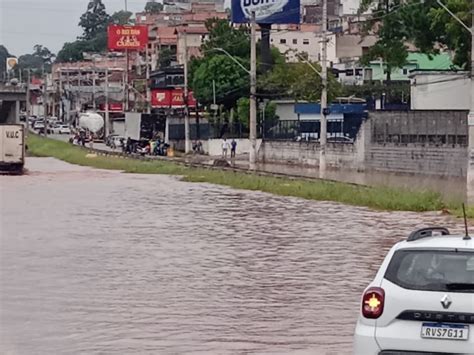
(12,149)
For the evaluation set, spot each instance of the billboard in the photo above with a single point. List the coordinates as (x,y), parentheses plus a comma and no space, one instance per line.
(266,11)
(12,62)
(121,38)
(171,98)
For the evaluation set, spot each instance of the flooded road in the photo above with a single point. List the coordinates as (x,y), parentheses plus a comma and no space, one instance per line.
(100,262)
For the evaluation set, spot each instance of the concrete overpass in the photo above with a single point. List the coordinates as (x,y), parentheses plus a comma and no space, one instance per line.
(11,99)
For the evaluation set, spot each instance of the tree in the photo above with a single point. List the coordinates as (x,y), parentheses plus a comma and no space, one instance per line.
(298,81)
(94,21)
(40,60)
(4,54)
(231,82)
(153,7)
(236,41)
(165,57)
(432,27)
(121,18)
(425,24)
(392,35)
(243,113)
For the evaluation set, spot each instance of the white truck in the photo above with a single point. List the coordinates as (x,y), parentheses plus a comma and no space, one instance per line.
(12,149)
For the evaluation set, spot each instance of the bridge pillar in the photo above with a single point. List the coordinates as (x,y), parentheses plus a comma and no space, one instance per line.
(17,111)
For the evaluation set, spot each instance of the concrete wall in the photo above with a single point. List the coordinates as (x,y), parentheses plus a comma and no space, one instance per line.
(213,147)
(417,159)
(338,155)
(366,154)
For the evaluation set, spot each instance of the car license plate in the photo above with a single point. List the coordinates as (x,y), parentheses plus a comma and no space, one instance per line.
(445,331)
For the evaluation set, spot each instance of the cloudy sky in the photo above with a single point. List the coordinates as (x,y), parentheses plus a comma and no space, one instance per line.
(24,23)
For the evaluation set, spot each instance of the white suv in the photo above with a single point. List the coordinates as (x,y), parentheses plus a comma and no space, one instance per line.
(422,298)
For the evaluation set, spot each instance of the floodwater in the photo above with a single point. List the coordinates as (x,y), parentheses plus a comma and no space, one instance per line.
(100,262)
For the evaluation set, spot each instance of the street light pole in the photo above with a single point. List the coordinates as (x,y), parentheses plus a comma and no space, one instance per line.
(470,159)
(253,94)
(107,115)
(187,140)
(324,93)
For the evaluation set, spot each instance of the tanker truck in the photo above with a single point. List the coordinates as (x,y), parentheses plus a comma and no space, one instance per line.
(92,122)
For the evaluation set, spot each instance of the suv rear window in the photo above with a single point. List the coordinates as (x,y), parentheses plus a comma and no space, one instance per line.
(432,270)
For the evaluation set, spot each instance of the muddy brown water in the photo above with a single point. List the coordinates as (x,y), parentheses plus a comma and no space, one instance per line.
(100,262)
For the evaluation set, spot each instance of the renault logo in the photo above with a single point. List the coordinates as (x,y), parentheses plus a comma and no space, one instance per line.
(446,301)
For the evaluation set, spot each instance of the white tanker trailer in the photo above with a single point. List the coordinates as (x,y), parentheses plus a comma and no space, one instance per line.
(91,121)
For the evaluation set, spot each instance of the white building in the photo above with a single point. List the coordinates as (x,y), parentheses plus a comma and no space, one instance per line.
(440,90)
(292,41)
(350,7)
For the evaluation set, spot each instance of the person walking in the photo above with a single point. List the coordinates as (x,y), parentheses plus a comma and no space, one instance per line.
(225,148)
(233,148)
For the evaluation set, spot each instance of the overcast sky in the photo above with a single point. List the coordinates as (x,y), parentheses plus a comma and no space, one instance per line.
(24,23)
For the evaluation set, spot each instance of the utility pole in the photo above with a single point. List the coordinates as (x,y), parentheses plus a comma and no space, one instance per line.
(148,91)
(60,108)
(187,141)
(126,91)
(107,118)
(28,105)
(69,99)
(253,94)
(470,167)
(324,92)
(214,99)
(45,106)
(93,87)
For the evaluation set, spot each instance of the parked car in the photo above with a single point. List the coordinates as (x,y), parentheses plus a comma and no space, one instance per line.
(422,298)
(117,141)
(62,129)
(39,125)
(52,120)
(340,139)
(109,139)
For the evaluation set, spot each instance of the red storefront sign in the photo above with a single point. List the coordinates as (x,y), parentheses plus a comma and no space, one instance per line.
(161,98)
(121,38)
(171,98)
(113,107)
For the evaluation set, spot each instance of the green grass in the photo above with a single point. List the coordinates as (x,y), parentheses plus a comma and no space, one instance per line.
(381,198)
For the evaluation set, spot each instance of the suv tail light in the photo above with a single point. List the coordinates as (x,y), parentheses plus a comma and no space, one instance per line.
(373,302)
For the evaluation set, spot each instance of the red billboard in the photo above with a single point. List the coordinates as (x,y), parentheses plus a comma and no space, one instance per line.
(171,98)
(121,38)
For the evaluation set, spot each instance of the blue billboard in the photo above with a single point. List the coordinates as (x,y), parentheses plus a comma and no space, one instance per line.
(266,11)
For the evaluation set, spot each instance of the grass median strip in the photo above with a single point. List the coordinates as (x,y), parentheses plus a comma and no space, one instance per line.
(383,198)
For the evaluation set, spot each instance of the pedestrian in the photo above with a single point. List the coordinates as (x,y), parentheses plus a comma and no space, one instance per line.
(128,148)
(233,148)
(225,148)
(91,141)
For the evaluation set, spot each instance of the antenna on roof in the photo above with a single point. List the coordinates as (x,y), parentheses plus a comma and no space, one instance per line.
(466,237)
